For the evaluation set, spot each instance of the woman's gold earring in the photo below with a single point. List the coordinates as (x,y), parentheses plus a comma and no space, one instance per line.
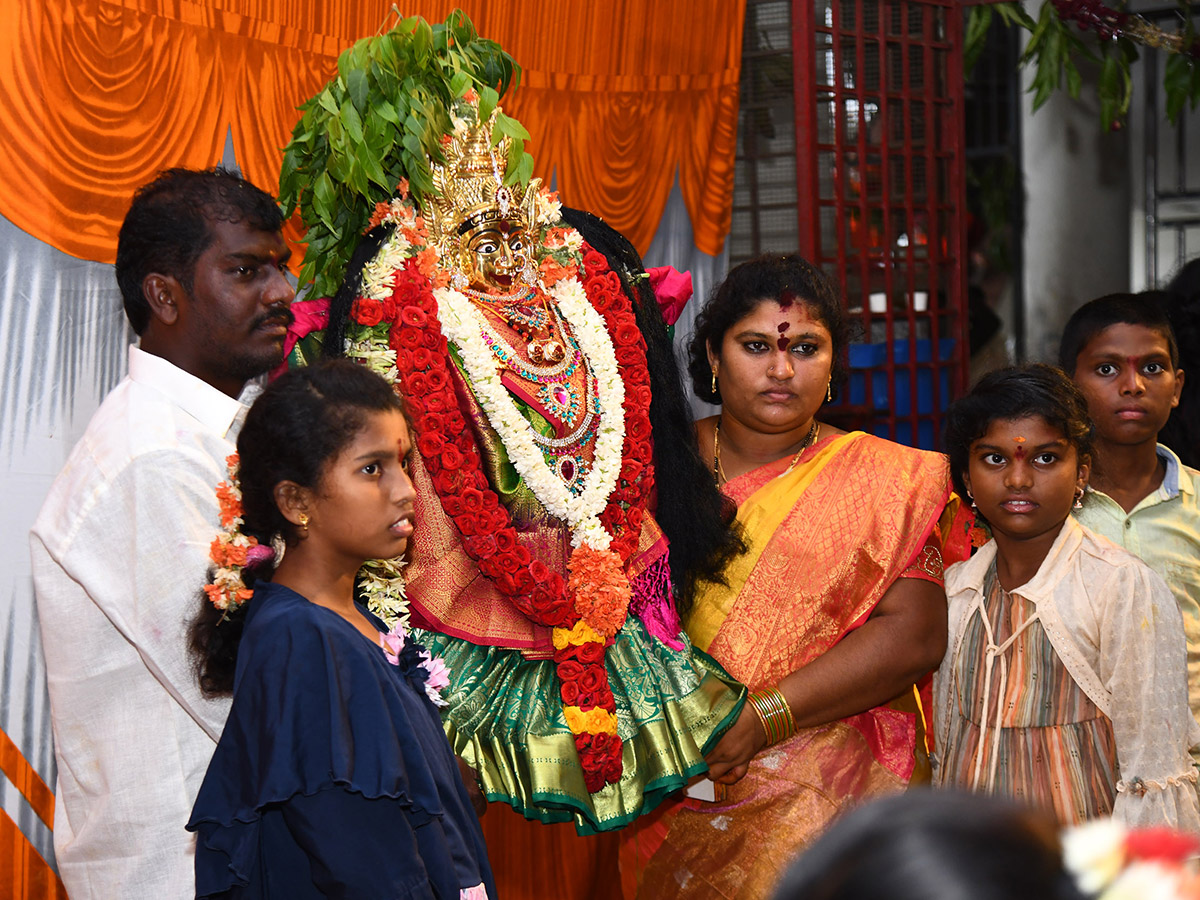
(304,522)
(714,381)
(829,390)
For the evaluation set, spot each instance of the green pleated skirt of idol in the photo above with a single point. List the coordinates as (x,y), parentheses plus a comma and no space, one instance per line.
(506,720)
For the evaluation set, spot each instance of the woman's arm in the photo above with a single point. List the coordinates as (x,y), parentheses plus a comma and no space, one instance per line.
(903,639)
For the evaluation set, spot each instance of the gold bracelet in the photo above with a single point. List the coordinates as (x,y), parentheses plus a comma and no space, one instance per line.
(774,713)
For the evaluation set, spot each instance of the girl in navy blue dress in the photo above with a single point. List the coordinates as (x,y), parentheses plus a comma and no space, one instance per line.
(333,777)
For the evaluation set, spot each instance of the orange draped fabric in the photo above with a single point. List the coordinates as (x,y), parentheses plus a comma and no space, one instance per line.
(619,98)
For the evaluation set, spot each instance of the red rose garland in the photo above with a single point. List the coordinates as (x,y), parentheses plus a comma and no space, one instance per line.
(453,461)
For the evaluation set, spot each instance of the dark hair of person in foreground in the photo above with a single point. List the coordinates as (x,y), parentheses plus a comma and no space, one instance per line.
(297,425)
(933,845)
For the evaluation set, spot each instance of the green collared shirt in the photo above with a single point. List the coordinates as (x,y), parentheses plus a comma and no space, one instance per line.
(1164,530)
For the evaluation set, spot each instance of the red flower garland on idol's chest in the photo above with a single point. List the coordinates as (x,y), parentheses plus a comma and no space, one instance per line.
(453,460)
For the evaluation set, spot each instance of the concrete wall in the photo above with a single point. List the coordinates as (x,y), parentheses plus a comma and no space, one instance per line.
(1077,212)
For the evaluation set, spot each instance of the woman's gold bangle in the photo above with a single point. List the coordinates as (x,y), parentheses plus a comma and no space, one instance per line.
(774,713)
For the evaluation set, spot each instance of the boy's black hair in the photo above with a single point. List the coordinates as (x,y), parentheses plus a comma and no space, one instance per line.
(298,424)
(1015,393)
(1147,309)
(169,224)
(769,277)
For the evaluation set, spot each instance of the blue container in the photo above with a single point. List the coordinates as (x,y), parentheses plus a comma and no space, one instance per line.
(869,361)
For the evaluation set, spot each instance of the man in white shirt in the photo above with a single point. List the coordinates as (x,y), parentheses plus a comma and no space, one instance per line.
(120,548)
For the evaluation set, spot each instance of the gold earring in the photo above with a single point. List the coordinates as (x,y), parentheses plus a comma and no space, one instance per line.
(304,522)
(714,381)
(829,390)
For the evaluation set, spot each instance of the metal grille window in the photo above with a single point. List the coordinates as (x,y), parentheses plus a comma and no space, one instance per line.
(1172,169)
(880,164)
(765,211)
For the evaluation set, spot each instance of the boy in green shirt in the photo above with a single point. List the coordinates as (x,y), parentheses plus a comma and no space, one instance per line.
(1122,354)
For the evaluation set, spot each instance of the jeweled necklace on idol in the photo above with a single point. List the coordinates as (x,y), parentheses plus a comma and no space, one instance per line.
(550,340)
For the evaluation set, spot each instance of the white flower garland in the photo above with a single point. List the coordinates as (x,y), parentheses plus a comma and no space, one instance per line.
(382,588)
(463,325)
(379,275)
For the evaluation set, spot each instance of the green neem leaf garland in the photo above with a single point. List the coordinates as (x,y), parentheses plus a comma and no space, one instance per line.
(379,122)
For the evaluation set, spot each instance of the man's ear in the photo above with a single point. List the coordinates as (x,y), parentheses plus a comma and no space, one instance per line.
(294,501)
(1179,376)
(163,293)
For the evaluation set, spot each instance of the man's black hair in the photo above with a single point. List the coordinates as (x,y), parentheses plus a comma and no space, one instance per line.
(169,224)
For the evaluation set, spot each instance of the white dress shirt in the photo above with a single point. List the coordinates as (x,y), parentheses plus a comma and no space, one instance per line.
(1118,632)
(120,551)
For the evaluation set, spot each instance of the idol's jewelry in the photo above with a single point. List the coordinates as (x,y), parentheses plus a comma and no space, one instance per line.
(719,472)
(560,369)
(774,714)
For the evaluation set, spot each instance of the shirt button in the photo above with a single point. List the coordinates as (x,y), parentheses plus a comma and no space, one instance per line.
(1128,524)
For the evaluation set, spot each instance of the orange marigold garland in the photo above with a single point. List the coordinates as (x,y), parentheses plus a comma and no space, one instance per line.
(230,550)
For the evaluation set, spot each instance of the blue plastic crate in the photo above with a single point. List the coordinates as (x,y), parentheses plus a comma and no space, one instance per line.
(870,360)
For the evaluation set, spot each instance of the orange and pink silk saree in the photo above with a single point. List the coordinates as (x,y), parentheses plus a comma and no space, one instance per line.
(827,539)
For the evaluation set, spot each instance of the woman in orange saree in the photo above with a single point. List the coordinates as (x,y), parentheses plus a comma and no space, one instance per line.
(831,618)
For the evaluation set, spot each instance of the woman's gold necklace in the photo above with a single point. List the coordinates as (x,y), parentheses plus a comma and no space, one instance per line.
(719,472)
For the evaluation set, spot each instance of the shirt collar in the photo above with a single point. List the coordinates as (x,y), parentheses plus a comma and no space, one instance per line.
(214,409)
(1172,484)
(1049,573)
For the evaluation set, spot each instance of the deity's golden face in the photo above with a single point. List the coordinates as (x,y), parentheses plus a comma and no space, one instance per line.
(495,255)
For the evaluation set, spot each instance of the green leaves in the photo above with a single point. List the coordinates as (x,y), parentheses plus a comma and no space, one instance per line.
(1181,84)
(1055,46)
(378,122)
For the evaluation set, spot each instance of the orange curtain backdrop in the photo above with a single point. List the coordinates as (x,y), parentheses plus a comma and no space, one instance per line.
(618,98)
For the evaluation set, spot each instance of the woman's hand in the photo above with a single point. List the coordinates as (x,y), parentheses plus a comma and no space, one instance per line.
(729,761)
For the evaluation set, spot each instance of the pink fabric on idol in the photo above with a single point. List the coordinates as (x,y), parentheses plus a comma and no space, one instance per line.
(310,316)
(672,289)
(652,602)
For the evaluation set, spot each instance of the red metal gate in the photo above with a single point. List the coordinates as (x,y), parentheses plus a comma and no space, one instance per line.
(879,141)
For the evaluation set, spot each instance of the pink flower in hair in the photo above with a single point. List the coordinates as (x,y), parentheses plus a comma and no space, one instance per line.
(393,644)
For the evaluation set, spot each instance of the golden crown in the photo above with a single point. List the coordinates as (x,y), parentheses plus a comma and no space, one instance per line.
(469,188)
